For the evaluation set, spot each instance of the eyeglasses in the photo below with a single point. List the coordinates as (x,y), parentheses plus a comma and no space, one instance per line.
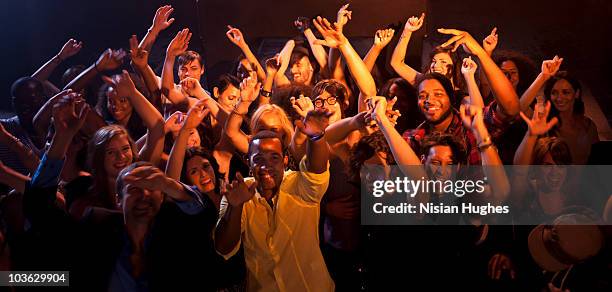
(319,102)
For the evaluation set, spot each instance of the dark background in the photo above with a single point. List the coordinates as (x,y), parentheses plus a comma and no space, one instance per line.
(34,30)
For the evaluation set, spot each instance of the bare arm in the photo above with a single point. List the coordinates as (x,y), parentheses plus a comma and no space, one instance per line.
(177,46)
(398,59)
(108,60)
(237,38)
(160,22)
(25,155)
(12,178)
(177,154)
(468,69)
(70,48)
(285,57)
(549,69)
(381,40)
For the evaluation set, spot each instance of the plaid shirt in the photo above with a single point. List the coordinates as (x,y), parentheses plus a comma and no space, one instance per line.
(494,123)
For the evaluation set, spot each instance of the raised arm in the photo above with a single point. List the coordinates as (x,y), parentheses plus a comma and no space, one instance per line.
(398,59)
(285,59)
(381,40)
(229,227)
(317,150)
(237,38)
(303,25)
(192,87)
(249,89)
(160,22)
(177,46)
(507,99)
(490,42)
(177,154)
(108,60)
(70,48)
(150,116)
(334,38)
(302,106)
(472,119)
(140,59)
(468,69)
(549,69)
(537,127)
(272,66)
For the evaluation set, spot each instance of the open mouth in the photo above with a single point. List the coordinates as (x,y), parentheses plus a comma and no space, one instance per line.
(432,108)
(120,165)
(205,181)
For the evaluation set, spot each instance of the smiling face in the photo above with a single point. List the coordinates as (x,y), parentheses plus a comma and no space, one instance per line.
(119,107)
(267,163)
(563,96)
(200,173)
(433,101)
(191,69)
(330,103)
(228,98)
(552,175)
(511,71)
(302,71)
(117,155)
(441,63)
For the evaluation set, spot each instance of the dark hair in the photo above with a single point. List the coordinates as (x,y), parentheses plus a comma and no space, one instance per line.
(407,103)
(556,147)
(188,57)
(334,88)
(120,183)
(19,87)
(578,103)
(526,67)
(281,96)
(457,146)
(225,81)
(300,52)
(204,153)
(265,134)
(363,150)
(446,84)
(454,71)
(71,73)
(134,126)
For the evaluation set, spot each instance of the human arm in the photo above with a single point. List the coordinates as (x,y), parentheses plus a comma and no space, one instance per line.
(237,38)
(468,69)
(317,150)
(140,58)
(303,25)
(548,70)
(177,46)
(229,227)
(26,156)
(537,126)
(248,93)
(160,23)
(381,40)
(70,48)
(507,99)
(285,59)
(108,60)
(398,59)
(490,42)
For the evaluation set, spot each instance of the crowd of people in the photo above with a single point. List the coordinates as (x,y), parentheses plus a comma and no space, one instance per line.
(135,182)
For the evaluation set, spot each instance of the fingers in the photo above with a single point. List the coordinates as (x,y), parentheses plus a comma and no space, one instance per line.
(494,32)
(452,40)
(551,123)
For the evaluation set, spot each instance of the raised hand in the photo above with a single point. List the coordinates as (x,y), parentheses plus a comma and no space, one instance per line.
(235,36)
(174,123)
(461,38)
(148,177)
(237,192)
(490,42)
(343,16)
(249,89)
(122,83)
(302,105)
(551,67)
(315,122)
(302,23)
(383,37)
(273,64)
(468,68)
(179,43)
(538,124)
(332,34)
(414,23)
(110,60)
(70,48)
(139,56)
(160,20)
(195,115)
(472,118)
(69,113)
(191,86)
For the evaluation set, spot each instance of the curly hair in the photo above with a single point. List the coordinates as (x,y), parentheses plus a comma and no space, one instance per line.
(366,148)
(526,67)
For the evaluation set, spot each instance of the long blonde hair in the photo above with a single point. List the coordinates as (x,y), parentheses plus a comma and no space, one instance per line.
(287,126)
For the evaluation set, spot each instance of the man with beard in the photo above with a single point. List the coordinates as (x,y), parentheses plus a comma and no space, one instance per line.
(435,102)
(275,214)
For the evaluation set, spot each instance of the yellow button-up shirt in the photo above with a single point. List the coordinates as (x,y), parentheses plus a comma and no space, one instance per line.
(281,244)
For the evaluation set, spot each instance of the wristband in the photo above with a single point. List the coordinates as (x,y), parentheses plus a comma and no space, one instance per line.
(317,137)
(265,93)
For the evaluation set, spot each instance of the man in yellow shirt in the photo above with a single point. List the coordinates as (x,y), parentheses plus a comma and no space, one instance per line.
(275,214)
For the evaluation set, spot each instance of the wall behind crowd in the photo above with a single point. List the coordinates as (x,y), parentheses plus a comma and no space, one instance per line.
(33,31)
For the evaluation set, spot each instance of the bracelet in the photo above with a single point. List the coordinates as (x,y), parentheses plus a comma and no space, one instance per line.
(265,93)
(317,137)
(486,143)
